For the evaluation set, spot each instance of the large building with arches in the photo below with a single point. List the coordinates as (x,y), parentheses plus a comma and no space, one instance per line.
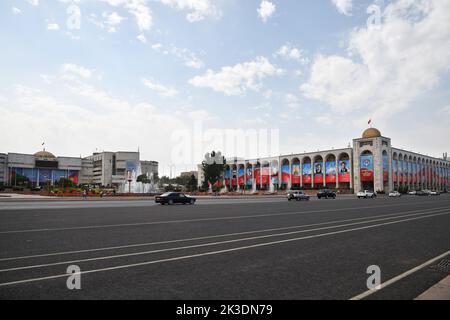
(371,164)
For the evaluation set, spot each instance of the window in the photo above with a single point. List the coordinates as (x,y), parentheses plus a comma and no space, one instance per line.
(365,143)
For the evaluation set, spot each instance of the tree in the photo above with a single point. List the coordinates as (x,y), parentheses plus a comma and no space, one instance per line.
(64,183)
(143,178)
(213,167)
(192,184)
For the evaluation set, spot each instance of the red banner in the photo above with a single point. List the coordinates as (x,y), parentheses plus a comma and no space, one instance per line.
(257,175)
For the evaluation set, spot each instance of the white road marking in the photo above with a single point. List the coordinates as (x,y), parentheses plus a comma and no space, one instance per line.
(197,220)
(393,215)
(220,251)
(401,276)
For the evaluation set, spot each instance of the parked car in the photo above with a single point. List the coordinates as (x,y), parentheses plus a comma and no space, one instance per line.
(435,193)
(395,194)
(366,194)
(326,194)
(412,193)
(298,196)
(171,198)
(422,193)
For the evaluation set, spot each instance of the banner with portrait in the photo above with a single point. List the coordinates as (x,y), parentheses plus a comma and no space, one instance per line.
(318,172)
(400,171)
(344,171)
(296,173)
(249,174)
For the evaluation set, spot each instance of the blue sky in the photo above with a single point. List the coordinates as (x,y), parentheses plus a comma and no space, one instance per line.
(137,71)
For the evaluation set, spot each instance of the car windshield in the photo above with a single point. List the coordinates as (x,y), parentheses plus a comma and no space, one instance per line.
(166,194)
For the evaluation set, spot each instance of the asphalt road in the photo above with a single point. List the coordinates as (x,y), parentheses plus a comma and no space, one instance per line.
(222,249)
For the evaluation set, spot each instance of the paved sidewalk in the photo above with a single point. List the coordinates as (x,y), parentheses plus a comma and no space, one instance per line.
(440,291)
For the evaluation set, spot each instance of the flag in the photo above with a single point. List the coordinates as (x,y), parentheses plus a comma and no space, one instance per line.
(370,121)
(43,143)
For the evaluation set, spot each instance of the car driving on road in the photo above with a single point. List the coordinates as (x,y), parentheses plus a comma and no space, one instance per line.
(366,194)
(171,198)
(327,194)
(297,195)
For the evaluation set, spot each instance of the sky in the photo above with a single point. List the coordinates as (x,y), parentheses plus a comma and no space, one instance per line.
(176,78)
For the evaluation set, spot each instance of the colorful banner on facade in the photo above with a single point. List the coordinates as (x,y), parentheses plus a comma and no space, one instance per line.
(45,176)
(285,174)
(266,173)
(227,176)
(367,173)
(344,171)
(274,175)
(385,168)
(400,171)
(234,179)
(394,171)
(257,175)
(241,176)
(307,171)
(318,172)
(296,173)
(330,172)
(249,173)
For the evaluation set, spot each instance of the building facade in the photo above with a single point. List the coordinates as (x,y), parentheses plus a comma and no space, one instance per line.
(3,168)
(109,169)
(371,164)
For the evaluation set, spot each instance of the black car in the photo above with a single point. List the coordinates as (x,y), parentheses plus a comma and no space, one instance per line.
(174,198)
(327,194)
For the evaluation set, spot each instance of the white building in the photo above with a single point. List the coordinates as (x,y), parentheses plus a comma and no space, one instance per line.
(372,163)
(107,169)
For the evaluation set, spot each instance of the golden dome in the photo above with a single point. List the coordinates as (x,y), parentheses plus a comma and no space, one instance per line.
(44,154)
(371,133)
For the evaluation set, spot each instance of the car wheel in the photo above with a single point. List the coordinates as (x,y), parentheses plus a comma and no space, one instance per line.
(170,202)
(192,202)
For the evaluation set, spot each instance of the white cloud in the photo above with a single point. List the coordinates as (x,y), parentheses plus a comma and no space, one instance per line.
(33,2)
(112,20)
(69,116)
(159,88)
(291,53)
(344,6)
(387,68)
(16,10)
(52,26)
(189,58)
(446,110)
(266,10)
(139,9)
(198,9)
(237,79)
(70,71)
(142,38)
(291,101)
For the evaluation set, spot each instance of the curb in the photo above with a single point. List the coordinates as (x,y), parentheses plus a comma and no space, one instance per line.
(440,291)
